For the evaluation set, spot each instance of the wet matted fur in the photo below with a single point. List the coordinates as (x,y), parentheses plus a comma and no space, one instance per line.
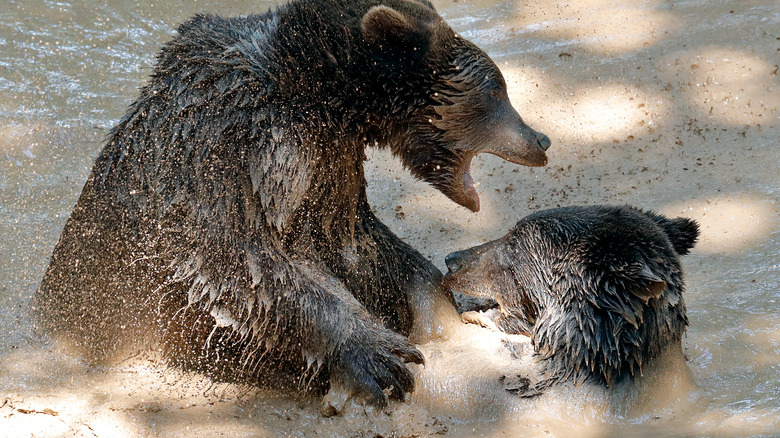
(225,221)
(598,289)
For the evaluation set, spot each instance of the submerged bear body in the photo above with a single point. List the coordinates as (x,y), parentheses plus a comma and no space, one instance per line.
(226,222)
(599,290)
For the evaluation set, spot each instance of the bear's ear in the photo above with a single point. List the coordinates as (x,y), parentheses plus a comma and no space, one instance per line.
(391,30)
(651,289)
(681,231)
(382,23)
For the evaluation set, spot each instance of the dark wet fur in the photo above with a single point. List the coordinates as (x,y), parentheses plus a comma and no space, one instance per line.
(226,221)
(598,289)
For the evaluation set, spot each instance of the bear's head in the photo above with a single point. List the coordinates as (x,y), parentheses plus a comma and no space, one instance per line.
(445,98)
(494,270)
(598,289)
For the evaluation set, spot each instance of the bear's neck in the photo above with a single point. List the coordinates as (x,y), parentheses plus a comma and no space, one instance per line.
(336,105)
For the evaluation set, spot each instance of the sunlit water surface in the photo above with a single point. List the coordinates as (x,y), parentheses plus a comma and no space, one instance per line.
(666,105)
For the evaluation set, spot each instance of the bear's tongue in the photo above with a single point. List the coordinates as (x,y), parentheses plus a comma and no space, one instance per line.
(469,188)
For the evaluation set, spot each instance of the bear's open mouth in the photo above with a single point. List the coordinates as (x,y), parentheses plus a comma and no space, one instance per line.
(465,190)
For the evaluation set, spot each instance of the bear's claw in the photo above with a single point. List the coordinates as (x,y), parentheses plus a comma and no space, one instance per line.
(372,366)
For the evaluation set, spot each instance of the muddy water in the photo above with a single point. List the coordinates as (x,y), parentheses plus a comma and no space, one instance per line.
(667,105)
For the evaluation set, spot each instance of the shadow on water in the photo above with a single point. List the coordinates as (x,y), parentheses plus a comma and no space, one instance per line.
(667,106)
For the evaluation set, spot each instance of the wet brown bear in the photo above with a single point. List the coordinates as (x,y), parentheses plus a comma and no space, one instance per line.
(598,289)
(226,221)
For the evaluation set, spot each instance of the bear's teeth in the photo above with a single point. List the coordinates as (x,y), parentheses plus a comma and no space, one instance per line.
(471,200)
(469,188)
(468,182)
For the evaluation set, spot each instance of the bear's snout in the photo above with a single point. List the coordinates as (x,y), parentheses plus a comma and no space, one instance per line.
(454,261)
(470,257)
(543,141)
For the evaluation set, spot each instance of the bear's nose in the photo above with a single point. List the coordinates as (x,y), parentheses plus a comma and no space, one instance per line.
(454,260)
(543,141)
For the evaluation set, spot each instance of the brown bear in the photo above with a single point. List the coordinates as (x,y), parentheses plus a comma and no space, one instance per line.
(225,221)
(597,289)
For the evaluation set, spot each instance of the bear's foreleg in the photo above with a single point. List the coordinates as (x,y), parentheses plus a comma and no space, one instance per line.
(331,325)
(394,281)
(297,312)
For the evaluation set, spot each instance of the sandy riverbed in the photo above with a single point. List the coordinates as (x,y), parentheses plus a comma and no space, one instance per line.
(671,106)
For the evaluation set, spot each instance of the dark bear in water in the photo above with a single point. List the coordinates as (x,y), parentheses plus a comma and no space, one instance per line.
(225,222)
(597,289)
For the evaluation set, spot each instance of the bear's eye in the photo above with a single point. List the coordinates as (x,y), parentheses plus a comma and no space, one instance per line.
(495,94)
